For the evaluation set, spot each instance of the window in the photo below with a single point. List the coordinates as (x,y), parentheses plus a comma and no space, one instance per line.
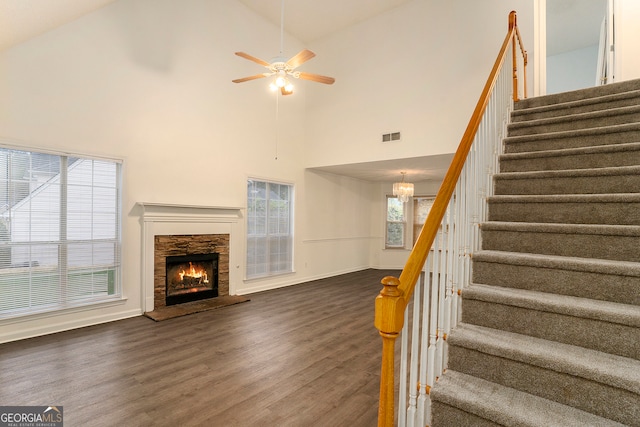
(421,208)
(396,223)
(269,228)
(59,231)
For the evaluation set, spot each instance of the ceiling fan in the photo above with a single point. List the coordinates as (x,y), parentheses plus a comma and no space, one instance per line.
(282,68)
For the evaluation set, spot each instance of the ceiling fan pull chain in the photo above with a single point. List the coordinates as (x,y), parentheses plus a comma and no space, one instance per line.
(282,28)
(277,122)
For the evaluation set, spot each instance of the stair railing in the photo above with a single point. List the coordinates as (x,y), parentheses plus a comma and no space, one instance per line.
(439,266)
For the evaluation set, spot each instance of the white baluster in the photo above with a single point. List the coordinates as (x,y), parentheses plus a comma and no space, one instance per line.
(402,393)
(415,342)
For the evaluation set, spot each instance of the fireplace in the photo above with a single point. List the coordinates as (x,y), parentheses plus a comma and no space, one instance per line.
(191,277)
(172,250)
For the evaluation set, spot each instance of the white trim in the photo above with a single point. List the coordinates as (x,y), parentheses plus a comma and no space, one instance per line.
(338,239)
(540,47)
(25,146)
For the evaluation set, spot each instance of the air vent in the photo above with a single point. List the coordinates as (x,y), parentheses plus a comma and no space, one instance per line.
(394,136)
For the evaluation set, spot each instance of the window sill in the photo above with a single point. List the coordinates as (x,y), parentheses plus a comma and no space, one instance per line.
(55,312)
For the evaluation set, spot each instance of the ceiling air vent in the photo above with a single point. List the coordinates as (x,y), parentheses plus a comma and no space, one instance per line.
(394,136)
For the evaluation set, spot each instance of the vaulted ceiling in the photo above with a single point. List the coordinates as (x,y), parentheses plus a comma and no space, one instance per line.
(308,20)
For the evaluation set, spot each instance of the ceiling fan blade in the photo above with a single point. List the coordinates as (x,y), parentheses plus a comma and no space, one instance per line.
(285,92)
(300,58)
(316,78)
(253,58)
(246,79)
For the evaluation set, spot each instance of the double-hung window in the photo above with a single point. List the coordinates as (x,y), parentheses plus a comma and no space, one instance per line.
(269,228)
(60,234)
(396,226)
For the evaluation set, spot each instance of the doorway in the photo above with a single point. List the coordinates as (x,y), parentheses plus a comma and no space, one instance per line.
(576,35)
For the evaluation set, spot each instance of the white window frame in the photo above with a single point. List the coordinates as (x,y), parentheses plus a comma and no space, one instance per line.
(63,237)
(269,239)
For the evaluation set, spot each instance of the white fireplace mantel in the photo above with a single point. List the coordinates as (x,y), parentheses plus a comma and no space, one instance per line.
(169,219)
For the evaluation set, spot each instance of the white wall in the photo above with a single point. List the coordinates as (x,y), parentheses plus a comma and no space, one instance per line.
(336,224)
(149,82)
(572,70)
(627,16)
(418,69)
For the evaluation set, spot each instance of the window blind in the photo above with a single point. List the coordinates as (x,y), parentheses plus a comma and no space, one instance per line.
(59,231)
(269,228)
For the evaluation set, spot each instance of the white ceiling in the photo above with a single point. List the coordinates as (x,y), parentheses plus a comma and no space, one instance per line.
(21,20)
(307,20)
(310,20)
(417,169)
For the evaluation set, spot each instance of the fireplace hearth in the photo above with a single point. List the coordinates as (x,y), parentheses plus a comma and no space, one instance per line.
(191,278)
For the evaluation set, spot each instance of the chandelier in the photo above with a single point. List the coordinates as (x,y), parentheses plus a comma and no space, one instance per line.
(403,190)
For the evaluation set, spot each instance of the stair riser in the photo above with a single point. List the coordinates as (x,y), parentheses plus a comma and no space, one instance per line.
(598,286)
(578,161)
(571,123)
(526,144)
(446,415)
(567,213)
(621,101)
(579,95)
(594,184)
(580,393)
(589,333)
(621,248)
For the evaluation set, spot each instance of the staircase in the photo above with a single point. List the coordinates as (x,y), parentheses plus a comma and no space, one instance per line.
(550,332)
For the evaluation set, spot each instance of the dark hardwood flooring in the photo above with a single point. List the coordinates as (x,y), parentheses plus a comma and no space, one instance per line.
(305,355)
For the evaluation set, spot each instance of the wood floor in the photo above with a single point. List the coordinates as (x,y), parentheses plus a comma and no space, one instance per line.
(306,355)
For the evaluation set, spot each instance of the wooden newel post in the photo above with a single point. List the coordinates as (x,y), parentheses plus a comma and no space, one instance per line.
(389,318)
(513,22)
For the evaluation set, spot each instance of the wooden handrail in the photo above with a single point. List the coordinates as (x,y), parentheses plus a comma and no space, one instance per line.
(394,297)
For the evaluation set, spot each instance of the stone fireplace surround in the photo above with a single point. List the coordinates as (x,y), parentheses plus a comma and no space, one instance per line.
(189,244)
(209,225)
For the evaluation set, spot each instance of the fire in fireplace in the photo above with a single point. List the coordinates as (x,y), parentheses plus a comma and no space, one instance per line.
(191,278)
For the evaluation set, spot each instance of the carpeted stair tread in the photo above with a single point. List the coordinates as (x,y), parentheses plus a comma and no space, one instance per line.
(622,179)
(597,172)
(598,279)
(506,406)
(592,93)
(616,134)
(596,149)
(605,241)
(580,158)
(620,268)
(592,119)
(566,198)
(622,314)
(616,371)
(593,229)
(578,106)
(617,208)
